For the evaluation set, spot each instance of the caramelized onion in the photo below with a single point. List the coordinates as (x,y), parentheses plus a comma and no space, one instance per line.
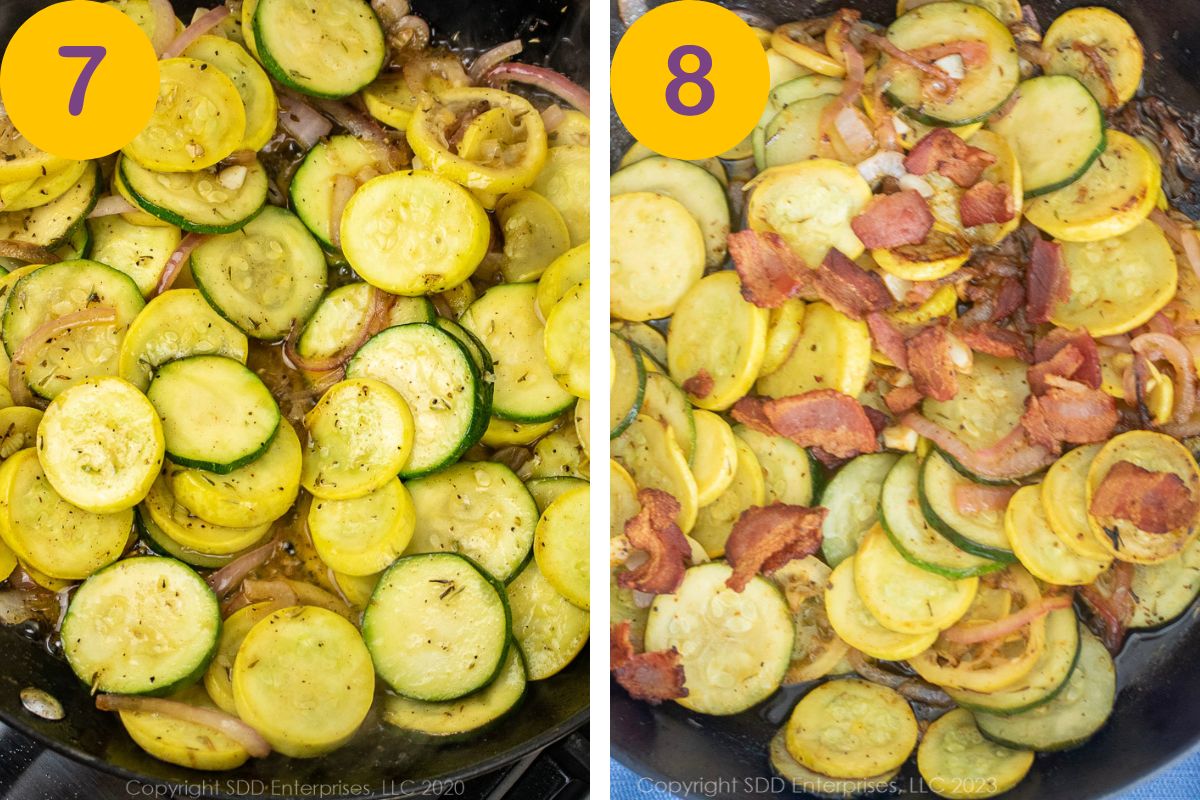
(212,718)
(491,58)
(542,78)
(1164,347)
(200,26)
(43,335)
(29,253)
(974,634)
(230,576)
(1017,457)
(1185,237)
(175,263)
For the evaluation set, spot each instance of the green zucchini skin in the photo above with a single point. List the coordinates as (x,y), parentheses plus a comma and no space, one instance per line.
(625,420)
(177,219)
(487,369)
(959,539)
(270,60)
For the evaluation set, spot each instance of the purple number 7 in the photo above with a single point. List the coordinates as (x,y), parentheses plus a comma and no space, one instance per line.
(94,55)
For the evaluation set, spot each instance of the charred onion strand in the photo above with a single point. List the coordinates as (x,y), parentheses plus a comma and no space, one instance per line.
(1100,67)
(215,719)
(175,263)
(29,253)
(41,336)
(542,78)
(974,634)
(202,25)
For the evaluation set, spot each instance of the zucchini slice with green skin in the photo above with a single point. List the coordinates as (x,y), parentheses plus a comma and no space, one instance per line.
(198,202)
(437,377)
(216,413)
(666,402)
(789,470)
(157,540)
(50,534)
(324,48)
(438,627)
(958,762)
(852,497)
(980,533)
(266,278)
(302,678)
(364,535)
(546,490)
(1164,591)
(480,509)
(1056,129)
(984,87)
(804,779)
(450,719)
(252,84)
(145,625)
(729,667)
(140,251)
(337,321)
(487,373)
(505,319)
(311,190)
(1044,682)
(628,385)
(560,545)
(1079,710)
(901,517)
(548,629)
(52,225)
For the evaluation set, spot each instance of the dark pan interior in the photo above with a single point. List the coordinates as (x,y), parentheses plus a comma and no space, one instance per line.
(1157,716)
(380,758)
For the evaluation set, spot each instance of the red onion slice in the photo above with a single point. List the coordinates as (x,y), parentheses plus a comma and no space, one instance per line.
(302,122)
(29,253)
(376,313)
(43,335)
(175,263)
(494,57)
(230,576)
(202,25)
(974,634)
(1018,457)
(212,718)
(543,78)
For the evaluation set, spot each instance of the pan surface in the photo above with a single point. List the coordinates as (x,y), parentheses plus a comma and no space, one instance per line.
(1157,715)
(380,760)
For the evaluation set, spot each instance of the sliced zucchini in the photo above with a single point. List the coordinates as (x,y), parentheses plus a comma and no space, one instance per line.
(981,533)
(437,378)
(816,648)
(564,180)
(503,433)
(176,324)
(942,252)
(255,494)
(43,190)
(648,451)
(714,522)
(794,134)
(216,414)
(100,443)
(453,718)
(140,251)
(651,342)
(218,678)
(560,545)
(364,535)
(1108,35)
(852,497)
(1162,592)
(1064,499)
(716,456)
(50,534)
(51,225)
(851,728)
(252,85)
(183,742)
(337,321)
(731,660)
(145,625)
(834,352)
(487,372)
(1079,710)
(199,202)
(19,425)
(437,626)
(311,189)
(360,435)
(785,325)
(901,517)
(958,762)
(657,254)
(693,186)
(638,151)
(628,385)
(534,232)
(302,678)
(1041,551)
(549,630)
(558,453)
(546,490)
(325,48)
(568,270)
(814,783)
(565,349)
(505,321)
(182,526)
(666,402)
(789,472)
(479,509)
(157,540)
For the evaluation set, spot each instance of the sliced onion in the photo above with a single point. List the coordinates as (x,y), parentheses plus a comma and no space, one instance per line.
(212,718)
(372,322)
(344,188)
(953,65)
(631,10)
(177,260)
(1017,457)
(364,127)
(917,183)
(200,26)
(111,204)
(1160,347)
(553,116)
(494,57)
(43,335)
(298,593)
(976,497)
(1118,342)
(1184,237)
(974,634)
(164,24)
(410,32)
(886,163)
(302,122)
(29,253)
(230,576)
(543,78)
(854,131)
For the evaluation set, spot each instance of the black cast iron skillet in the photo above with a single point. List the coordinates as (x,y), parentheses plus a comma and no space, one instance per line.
(1157,715)
(380,757)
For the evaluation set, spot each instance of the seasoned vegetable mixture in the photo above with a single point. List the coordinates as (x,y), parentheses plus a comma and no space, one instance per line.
(926,445)
(297,397)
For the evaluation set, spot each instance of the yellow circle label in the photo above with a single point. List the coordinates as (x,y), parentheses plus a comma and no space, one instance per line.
(690,79)
(79,79)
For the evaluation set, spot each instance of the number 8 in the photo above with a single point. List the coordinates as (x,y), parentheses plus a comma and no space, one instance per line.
(708,94)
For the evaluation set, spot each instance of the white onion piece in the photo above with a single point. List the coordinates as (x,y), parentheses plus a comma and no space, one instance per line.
(112,204)
(302,122)
(855,132)
(344,188)
(202,25)
(490,58)
(886,163)
(917,183)
(898,287)
(953,66)
(212,718)
(553,116)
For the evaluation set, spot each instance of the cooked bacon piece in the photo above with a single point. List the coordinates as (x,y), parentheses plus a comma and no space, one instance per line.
(1010,296)
(1069,412)
(1111,597)
(1047,281)
(889,339)
(892,220)
(987,337)
(849,288)
(652,677)
(985,203)
(1087,372)
(764,538)
(653,530)
(770,272)
(1064,364)
(822,418)
(902,399)
(929,363)
(944,152)
(700,384)
(972,498)
(1156,502)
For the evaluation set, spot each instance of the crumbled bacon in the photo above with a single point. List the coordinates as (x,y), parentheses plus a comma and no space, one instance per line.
(1068,354)
(902,399)
(652,677)
(1010,296)
(888,338)
(986,203)
(930,364)
(1047,281)
(824,418)
(1156,502)
(1111,598)
(764,538)
(849,288)
(1069,412)
(987,337)
(771,273)
(699,385)
(944,152)
(893,220)
(654,531)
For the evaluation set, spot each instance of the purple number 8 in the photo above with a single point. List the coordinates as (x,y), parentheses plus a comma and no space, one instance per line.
(708,94)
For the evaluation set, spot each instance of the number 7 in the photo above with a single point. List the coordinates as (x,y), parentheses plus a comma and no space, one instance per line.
(94,55)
